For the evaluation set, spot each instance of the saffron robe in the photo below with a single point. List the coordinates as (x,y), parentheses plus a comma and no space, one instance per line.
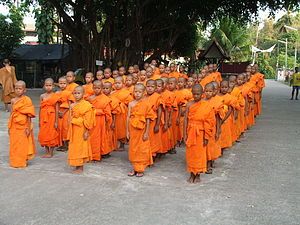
(8,80)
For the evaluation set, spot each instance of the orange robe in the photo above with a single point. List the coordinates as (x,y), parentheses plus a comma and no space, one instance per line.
(206,80)
(100,142)
(200,125)
(184,75)
(124,97)
(130,89)
(21,147)
(155,77)
(116,108)
(65,97)
(240,110)
(155,101)
(140,155)
(71,87)
(110,80)
(258,80)
(48,135)
(226,138)
(175,74)
(8,80)
(82,119)
(88,90)
(174,127)
(216,76)
(213,147)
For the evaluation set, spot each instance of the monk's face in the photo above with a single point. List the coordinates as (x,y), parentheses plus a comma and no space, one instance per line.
(118,84)
(167,70)
(115,73)
(88,78)
(150,87)
(197,93)
(154,63)
(159,87)
(171,85)
(128,81)
(48,86)
(172,67)
(138,93)
(146,65)
(107,73)
(143,76)
(161,68)
(215,67)
(190,82)
(240,80)
(131,70)
(181,83)
(106,88)
(181,69)
(149,72)
(135,78)
(209,91)
(99,76)
(195,78)
(224,88)
(20,90)
(62,83)
(97,88)
(78,94)
(70,76)
(253,71)
(136,68)
(122,71)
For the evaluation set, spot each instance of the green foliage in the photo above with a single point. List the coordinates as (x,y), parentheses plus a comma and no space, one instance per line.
(11,31)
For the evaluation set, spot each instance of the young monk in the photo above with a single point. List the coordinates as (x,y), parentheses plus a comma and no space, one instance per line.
(241,114)
(107,76)
(198,130)
(161,69)
(62,113)
(175,117)
(227,123)
(124,97)
(88,87)
(99,75)
(115,73)
(190,83)
(130,70)
(143,77)
(138,125)
(135,78)
(115,109)
(174,73)
(48,133)
(156,103)
(70,76)
(82,120)
(129,83)
(213,148)
(100,143)
(20,128)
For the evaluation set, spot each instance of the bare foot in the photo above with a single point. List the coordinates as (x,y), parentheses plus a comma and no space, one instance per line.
(78,170)
(46,156)
(139,174)
(131,173)
(191,179)
(197,178)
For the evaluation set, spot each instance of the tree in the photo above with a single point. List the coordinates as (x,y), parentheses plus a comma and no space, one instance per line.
(11,32)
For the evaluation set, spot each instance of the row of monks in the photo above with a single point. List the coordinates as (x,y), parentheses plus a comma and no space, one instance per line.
(153,110)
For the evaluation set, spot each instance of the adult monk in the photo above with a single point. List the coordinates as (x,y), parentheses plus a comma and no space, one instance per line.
(138,124)
(7,80)
(20,128)
(198,129)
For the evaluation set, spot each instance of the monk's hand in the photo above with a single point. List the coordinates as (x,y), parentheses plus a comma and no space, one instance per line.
(205,142)
(156,129)
(170,123)
(178,121)
(145,136)
(113,126)
(27,132)
(60,114)
(85,135)
(55,125)
(127,135)
(165,127)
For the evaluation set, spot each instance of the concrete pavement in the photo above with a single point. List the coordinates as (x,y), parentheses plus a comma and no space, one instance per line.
(255,182)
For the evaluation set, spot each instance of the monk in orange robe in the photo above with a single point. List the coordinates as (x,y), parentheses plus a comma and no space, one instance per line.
(70,76)
(20,128)
(88,87)
(7,80)
(156,103)
(206,78)
(230,102)
(129,84)
(259,81)
(81,122)
(174,113)
(216,102)
(138,125)
(242,111)
(198,130)
(124,97)
(99,135)
(99,75)
(62,112)
(48,134)
(174,73)
(107,76)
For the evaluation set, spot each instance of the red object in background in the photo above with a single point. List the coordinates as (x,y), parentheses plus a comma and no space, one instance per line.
(234,67)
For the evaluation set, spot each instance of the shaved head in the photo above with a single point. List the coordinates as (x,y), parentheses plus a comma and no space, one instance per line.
(79,88)
(49,80)
(140,86)
(98,82)
(197,87)
(20,83)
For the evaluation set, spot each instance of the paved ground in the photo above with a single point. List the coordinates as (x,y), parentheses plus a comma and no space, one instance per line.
(256,182)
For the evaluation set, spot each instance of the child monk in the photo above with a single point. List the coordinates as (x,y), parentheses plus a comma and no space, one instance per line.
(100,132)
(70,76)
(227,123)
(129,83)
(143,77)
(156,103)
(138,125)
(213,148)
(82,120)
(175,117)
(130,70)
(62,113)
(241,115)
(99,75)
(115,73)
(88,87)
(48,133)
(190,83)
(135,78)
(20,128)
(198,130)
(107,76)
(124,97)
